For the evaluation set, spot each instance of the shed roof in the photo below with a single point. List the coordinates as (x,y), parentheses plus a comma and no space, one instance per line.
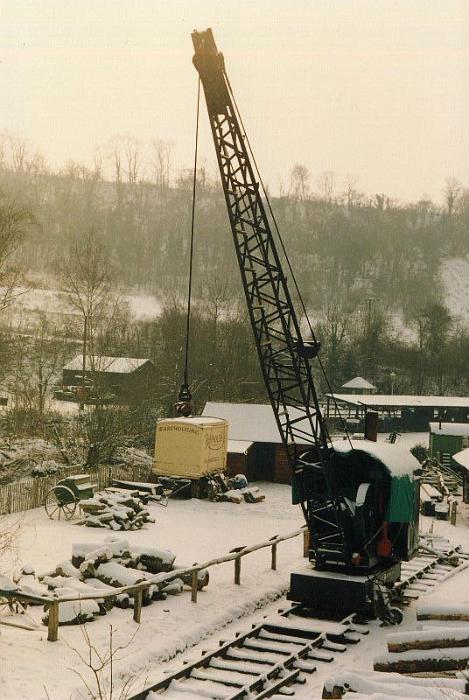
(462,458)
(358,383)
(398,460)
(254,422)
(103,363)
(457,429)
(240,447)
(402,401)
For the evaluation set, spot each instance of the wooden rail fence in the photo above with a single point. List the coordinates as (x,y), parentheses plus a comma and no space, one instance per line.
(30,493)
(137,590)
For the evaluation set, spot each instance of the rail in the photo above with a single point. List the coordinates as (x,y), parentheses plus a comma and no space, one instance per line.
(137,590)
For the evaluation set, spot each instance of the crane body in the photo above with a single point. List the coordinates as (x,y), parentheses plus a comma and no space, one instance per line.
(342,513)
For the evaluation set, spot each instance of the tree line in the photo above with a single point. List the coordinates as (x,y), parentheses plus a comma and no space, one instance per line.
(361,262)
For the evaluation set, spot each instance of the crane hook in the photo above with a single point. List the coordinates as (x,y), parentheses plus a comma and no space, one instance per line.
(183,404)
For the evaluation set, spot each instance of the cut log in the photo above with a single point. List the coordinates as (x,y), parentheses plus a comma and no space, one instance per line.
(418,661)
(436,611)
(429,639)
(344,680)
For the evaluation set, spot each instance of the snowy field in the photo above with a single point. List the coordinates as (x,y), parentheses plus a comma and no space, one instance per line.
(195,531)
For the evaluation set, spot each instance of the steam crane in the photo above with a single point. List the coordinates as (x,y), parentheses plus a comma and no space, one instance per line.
(345,493)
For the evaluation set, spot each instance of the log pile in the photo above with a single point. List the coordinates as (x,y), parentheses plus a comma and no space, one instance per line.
(347,683)
(115,511)
(94,570)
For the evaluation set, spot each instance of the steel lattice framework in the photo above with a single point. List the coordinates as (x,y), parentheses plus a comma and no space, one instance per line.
(284,355)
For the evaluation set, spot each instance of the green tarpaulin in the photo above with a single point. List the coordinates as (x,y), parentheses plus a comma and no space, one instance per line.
(401,504)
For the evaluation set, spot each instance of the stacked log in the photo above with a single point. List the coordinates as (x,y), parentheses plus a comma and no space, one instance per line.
(347,683)
(445,649)
(115,511)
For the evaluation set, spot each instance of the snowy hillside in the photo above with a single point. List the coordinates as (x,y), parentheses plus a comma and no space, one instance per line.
(455,278)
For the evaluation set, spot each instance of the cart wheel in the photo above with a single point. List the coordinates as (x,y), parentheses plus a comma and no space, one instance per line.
(60,502)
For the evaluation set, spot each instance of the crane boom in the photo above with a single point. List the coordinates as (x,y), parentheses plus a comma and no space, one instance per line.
(284,356)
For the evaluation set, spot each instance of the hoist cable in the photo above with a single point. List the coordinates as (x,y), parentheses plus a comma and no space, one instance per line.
(191,252)
(282,245)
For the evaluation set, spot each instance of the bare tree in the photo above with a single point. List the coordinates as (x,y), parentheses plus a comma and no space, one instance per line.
(299,181)
(87,277)
(453,191)
(14,221)
(161,163)
(326,185)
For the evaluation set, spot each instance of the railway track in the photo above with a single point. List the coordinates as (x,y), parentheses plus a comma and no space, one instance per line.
(285,648)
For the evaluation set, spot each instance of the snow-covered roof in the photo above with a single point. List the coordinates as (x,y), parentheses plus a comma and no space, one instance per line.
(457,429)
(240,447)
(397,459)
(402,400)
(115,365)
(254,422)
(462,458)
(358,383)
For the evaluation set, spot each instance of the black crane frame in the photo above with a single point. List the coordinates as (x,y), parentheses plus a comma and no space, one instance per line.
(283,354)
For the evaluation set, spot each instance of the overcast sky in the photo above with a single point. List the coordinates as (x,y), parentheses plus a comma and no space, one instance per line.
(376,88)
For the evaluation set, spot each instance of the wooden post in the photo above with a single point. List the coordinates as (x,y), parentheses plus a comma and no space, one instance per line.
(273,565)
(306,543)
(454,512)
(138,597)
(237,571)
(194,583)
(53,625)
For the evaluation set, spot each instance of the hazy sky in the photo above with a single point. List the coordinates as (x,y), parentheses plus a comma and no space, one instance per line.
(376,88)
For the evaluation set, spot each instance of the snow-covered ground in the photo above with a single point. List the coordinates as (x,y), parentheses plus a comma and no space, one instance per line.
(196,531)
(455,278)
(31,304)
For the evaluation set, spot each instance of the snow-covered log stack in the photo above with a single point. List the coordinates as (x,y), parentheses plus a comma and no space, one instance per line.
(115,511)
(97,570)
(434,650)
(347,683)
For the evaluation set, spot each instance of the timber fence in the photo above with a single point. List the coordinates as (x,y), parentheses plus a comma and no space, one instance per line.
(30,493)
(136,591)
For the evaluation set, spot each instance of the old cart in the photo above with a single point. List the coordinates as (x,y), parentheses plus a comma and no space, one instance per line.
(62,499)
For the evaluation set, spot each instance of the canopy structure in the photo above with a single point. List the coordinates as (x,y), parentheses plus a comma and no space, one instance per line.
(384,401)
(359,384)
(396,461)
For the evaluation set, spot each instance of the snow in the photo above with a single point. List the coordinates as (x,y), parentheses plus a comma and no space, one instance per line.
(358,383)
(402,400)
(457,429)
(249,422)
(239,446)
(455,277)
(195,530)
(103,363)
(395,457)
(462,458)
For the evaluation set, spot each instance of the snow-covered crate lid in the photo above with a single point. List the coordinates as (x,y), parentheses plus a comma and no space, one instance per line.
(193,420)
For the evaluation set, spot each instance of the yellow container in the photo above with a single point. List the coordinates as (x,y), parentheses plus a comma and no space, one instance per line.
(190,447)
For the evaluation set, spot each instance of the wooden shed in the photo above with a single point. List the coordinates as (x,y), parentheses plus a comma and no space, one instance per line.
(446,439)
(126,378)
(255,447)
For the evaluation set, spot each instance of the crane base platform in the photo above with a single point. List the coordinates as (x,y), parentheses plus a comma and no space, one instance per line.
(336,592)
